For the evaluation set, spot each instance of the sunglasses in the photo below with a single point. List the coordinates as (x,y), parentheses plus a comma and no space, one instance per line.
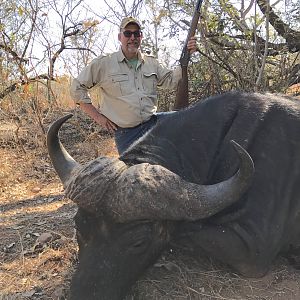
(128,33)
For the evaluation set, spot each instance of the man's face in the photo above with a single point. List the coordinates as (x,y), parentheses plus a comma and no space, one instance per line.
(130,44)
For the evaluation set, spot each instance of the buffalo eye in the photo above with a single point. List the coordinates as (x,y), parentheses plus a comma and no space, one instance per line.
(139,246)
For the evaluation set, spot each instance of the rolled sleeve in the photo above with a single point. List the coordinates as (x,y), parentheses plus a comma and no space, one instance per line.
(89,77)
(79,92)
(168,79)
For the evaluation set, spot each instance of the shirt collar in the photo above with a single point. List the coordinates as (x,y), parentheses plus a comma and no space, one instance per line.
(121,56)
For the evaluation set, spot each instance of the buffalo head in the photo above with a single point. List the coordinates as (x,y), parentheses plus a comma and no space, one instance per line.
(126,213)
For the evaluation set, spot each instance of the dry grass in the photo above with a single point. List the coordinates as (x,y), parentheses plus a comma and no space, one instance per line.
(30,208)
(190,279)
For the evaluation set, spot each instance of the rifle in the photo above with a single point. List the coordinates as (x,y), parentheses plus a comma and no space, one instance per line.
(182,93)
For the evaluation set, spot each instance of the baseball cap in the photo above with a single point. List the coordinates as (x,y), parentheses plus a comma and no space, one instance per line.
(129,20)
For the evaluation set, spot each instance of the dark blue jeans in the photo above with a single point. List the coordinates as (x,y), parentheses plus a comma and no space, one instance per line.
(124,137)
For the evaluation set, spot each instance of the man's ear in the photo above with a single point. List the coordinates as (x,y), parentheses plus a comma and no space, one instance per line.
(119,36)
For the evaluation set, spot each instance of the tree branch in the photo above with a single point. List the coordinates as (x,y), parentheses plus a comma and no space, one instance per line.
(292,37)
(13,53)
(14,86)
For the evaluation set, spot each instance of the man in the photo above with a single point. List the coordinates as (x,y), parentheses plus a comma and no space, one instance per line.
(128,81)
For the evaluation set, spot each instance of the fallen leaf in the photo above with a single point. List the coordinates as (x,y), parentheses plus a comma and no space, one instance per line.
(40,223)
(28,293)
(10,245)
(17,227)
(36,189)
(44,238)
(7,248)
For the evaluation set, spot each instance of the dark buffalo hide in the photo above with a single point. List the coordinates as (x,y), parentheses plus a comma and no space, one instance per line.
(195,145)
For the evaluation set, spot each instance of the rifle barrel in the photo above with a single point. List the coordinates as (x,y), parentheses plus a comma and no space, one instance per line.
(182,94)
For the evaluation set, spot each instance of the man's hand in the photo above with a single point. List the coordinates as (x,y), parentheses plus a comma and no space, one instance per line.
(105,122)
(192,45)
(100,119)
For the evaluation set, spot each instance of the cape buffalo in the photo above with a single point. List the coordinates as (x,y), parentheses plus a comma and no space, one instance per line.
(180,183)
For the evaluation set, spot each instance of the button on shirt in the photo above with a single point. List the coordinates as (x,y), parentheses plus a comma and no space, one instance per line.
(129,95)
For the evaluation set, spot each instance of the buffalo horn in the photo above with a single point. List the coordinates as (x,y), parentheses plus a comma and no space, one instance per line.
(63,163)
(147,191)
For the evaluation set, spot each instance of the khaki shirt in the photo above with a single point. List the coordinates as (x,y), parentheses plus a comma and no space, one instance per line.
(129,96)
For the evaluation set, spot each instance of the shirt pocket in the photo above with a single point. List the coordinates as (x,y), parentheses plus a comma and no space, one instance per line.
(120,85)
(150,82)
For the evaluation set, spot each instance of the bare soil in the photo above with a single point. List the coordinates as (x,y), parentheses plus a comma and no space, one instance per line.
(38,250)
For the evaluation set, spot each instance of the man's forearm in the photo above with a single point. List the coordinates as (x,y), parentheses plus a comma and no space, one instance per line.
(100,119)
(90,110)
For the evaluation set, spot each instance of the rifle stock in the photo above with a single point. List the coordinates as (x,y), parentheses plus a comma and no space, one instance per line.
(182,93)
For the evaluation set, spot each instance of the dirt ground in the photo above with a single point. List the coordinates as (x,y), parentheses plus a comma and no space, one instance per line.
(38,250)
